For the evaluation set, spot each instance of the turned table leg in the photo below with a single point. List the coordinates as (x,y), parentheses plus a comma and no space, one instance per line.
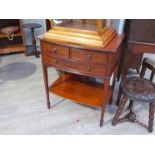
(34,43)
(45,75)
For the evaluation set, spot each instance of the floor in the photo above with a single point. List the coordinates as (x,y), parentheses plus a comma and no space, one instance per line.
(23,106)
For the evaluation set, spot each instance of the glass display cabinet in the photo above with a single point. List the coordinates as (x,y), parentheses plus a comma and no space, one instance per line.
(87,32)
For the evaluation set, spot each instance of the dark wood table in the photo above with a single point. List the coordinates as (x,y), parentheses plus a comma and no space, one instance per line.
(79,62)
(32,27)
(140,39)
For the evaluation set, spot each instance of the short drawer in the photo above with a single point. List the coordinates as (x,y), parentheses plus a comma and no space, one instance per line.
(90,56)
(92,69)
(54,61)
(52,49)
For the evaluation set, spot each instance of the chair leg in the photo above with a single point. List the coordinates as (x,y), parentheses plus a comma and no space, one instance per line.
(152,76)
(119,110)
(151,116)
(142,73)
(130,107)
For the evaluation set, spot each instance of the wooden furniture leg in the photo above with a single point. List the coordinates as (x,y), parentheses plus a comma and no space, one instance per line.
(152,76)
(113,83)
(124,73)
(45,75)
(119,110)
(151,116)
(142,73)
(119,96)
(131,105)
(148,64)
(34,43)
(106,87)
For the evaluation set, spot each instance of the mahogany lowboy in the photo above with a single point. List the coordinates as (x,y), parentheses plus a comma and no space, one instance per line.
(77,63)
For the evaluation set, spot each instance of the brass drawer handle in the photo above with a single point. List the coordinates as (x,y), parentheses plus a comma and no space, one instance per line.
(89,57)
(89,69)
(55,61)
(54,50)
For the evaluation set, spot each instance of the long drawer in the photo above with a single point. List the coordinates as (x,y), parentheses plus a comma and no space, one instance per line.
(75,66)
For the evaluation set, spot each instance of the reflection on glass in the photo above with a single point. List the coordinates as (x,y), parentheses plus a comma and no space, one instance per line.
(82,24)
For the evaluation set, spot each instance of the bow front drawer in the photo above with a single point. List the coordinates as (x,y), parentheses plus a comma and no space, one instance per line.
(75,66)
(52,49)
(89,56)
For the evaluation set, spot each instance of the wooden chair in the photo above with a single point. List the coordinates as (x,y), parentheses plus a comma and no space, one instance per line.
(148,63)
(135,88)
(140,89)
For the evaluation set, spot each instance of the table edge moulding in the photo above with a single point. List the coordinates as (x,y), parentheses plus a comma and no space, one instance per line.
(78,62)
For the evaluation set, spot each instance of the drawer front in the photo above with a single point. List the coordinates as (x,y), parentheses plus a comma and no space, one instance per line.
(75,66)
(92,69)
(52,49)
(89,56)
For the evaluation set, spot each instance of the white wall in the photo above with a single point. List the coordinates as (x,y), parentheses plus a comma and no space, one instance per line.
(119,25)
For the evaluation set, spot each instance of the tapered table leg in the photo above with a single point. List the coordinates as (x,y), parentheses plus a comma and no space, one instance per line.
(105,91)
(45,75)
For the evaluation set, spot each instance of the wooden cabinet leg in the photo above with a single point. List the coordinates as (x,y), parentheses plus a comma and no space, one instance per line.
(105,94)
(45,75)
(113,83)
(119,96)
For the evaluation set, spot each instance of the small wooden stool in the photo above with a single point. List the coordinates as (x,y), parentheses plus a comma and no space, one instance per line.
(150,64)
(135,88)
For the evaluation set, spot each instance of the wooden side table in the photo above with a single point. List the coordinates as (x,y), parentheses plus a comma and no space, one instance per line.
(78,62)
(32,26)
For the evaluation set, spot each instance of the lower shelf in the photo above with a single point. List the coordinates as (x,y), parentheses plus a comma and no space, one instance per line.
(80,90)
(12,48)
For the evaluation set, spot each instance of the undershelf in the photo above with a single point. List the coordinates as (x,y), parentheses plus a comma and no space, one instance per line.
(12,48)
(80,90)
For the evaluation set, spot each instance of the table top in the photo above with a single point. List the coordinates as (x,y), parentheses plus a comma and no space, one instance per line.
(31,25)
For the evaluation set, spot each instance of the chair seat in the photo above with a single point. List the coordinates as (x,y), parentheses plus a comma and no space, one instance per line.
(150,61)
(138,89)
